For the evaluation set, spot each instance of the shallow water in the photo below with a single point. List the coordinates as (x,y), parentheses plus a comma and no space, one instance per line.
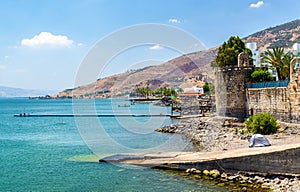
(57,153)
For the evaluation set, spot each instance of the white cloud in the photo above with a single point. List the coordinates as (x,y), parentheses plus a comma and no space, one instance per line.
(155,47)
(47,39)
(80,44)
(257,5)
(6,57)
(174,21)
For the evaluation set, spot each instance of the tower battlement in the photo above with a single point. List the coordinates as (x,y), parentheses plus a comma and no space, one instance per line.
(230,87)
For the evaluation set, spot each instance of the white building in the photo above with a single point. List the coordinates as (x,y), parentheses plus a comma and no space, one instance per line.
(255,53)
(256,56)
(194,89)
(296,49)
(296,46)
(296,52)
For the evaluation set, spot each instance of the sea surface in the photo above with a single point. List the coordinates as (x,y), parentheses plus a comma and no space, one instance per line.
(61,153)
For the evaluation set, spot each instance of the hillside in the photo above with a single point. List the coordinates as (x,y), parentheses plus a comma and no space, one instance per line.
(184,71)
(284,35)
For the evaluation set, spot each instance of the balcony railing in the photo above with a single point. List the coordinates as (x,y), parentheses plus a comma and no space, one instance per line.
(268,84)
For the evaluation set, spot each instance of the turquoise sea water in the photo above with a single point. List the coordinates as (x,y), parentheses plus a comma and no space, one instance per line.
(56,153)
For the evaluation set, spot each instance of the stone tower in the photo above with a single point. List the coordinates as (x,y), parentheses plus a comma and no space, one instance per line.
(230,84)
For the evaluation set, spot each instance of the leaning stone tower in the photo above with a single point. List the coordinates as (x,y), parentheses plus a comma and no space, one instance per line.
(230,87)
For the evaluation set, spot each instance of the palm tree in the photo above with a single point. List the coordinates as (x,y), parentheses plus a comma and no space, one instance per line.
(170,92)
(279,60)
(147,91)
(287,58)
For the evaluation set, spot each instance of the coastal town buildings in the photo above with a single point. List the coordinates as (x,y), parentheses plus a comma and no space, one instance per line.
(194,89)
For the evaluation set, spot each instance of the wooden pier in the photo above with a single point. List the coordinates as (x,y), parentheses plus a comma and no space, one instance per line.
(92,115)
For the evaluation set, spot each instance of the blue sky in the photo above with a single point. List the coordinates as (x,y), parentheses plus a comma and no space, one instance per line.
(42,43)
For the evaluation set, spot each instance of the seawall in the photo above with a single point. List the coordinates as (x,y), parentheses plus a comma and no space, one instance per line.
(281,160)
(277,162)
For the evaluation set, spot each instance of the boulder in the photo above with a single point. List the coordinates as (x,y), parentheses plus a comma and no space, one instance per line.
(214,173)
(206,172)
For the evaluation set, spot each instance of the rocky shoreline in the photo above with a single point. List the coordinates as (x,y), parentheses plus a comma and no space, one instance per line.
(248,181)
(210,133)
(223,133)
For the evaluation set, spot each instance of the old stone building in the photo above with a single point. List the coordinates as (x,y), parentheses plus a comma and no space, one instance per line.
(237,97)
(230,91)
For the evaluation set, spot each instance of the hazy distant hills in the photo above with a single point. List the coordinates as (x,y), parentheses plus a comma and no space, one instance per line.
(183,71)
(18,92)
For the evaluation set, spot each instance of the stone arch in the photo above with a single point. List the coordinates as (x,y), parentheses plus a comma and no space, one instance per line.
(292,65)
(243,59)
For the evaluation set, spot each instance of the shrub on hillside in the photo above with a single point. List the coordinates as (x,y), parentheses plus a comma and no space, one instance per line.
(262,123)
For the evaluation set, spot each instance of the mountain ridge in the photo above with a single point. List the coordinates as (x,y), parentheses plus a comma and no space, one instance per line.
(283,35)
(188,70)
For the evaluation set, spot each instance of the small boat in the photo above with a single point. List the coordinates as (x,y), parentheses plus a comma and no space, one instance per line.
(124,105)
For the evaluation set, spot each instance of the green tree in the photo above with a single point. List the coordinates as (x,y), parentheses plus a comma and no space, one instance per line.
(208,88)
(261,75)
(147,91)
(138,92)
(262,123)
(180,90)
(143,92)
(228,53)
(286,61)
(162,91)
(169,92)
(279,61)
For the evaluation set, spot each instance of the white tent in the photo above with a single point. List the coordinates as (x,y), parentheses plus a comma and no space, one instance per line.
(258,140)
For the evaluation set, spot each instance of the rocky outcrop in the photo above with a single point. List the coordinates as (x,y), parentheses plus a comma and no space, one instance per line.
(224,133)
(210,133)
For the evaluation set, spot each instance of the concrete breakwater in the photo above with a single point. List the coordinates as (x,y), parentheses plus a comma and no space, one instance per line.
(277,160)
(218,134)
(224,146)
(279,165)
(223,134)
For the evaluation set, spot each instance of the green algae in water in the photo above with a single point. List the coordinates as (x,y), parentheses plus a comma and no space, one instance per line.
(87,158)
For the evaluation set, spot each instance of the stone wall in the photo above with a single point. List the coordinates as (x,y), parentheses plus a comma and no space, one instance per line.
(269,100)
(279,162)
(231,92)
(282,102)
(293,91)
(190,105)
(233,99)
(193,105)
